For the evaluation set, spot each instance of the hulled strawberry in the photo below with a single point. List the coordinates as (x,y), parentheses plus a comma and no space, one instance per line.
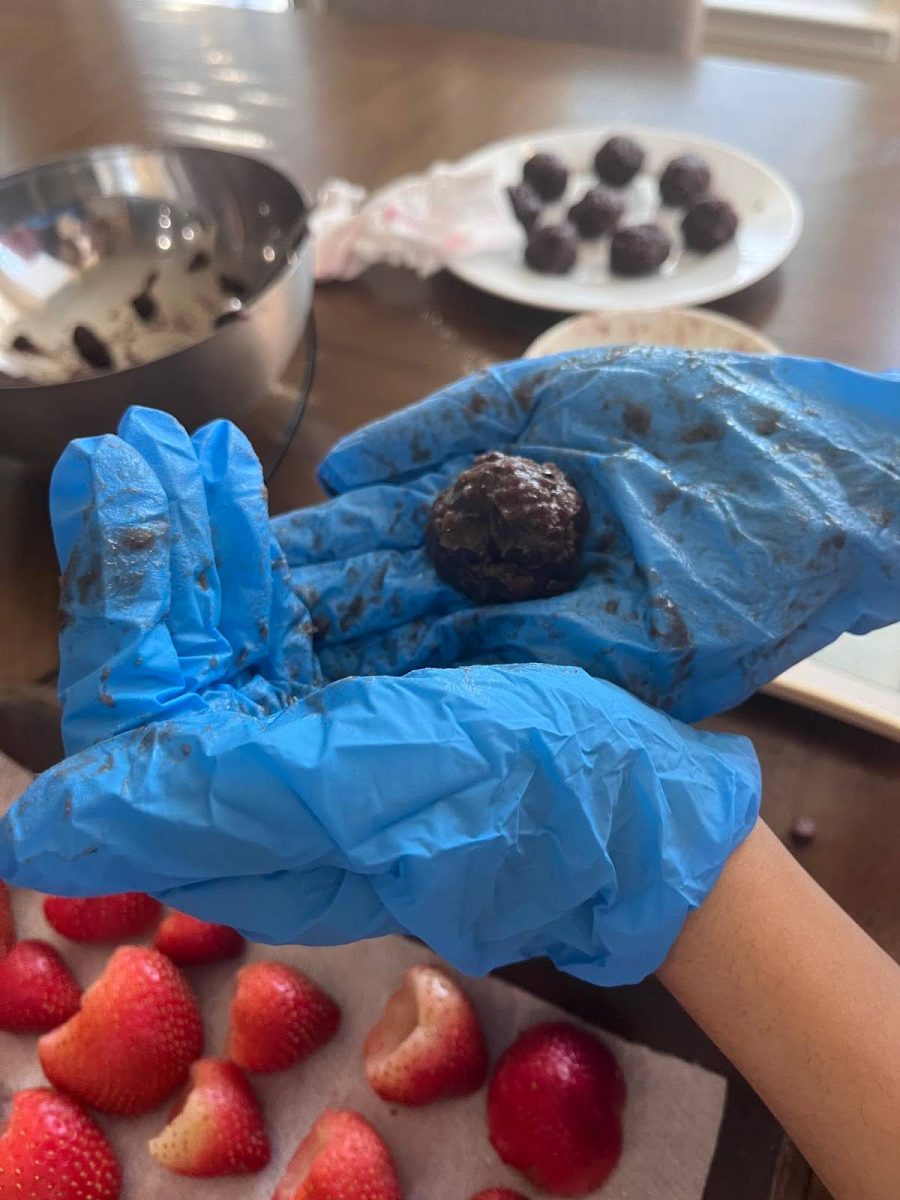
(134,1039)
(102,918)
(278,1017)
(190,943)
(217,1129)
(341,1157)
(428,1044)
(554,1109)
(37,989)
(50,1149)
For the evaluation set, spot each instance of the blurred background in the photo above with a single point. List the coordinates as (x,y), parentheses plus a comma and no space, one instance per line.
(842,30)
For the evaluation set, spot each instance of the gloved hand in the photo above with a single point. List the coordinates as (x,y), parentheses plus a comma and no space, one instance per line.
(495,812)
(745,511)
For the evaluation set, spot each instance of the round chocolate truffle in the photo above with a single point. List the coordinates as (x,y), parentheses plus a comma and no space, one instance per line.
(596,213)
(526,204)
(683,180)
(508,529)
(552,249)
(638,250)
(709,224)
(618,161)
(547,175)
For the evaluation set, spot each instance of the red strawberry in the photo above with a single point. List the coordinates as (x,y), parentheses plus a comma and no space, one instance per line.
(278,1018)
(428,1044)
(498,1194)
(37,989)
(134,1039)
(341,1157)
(102,918)
(52,1150)
(217,1129)
(189,942)
(7,923)
(554,1109)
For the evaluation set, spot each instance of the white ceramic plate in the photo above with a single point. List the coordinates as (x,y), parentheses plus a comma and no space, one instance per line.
(856,679)
(769,209)
(687,328)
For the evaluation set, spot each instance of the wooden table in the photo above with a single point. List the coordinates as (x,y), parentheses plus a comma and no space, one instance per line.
(322,97)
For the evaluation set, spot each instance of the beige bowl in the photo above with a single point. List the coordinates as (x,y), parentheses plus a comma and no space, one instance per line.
(687,328)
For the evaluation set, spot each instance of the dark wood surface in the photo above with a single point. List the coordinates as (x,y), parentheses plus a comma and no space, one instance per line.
(322,97)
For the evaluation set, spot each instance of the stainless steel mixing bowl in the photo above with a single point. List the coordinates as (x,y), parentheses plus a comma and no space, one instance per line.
(215,235)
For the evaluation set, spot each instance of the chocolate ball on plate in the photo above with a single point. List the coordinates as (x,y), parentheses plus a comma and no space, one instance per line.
(552,249)
(638,250)
(709,224)
(684,179)
(526,204)
(597,212)
(508,529)
(547,175)
(618,161)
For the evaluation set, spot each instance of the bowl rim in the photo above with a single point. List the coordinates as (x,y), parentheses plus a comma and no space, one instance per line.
(110,150)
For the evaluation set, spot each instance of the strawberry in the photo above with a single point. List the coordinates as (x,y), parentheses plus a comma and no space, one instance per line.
(50,1149)
(278,1018)
(341,1157)
(189,942)
(37,989)
(217,1129)
(134,1039)
(498,1194)
(102,918)
(7,923)
(428,1044)
(554,1108)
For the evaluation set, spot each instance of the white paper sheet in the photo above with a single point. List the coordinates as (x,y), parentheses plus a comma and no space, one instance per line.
(671,1121)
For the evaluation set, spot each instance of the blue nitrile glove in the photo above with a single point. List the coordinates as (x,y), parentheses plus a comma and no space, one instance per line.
(495,812)
(745,511)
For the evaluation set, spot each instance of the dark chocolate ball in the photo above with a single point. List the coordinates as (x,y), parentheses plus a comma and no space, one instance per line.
(683,180)
(552,249)
(547,175)
(618,161)
(709,224)
(638,250)
(526,204)
(508,529)
(596,213)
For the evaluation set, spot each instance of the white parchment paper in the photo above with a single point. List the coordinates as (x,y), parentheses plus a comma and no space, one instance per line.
(442,1152)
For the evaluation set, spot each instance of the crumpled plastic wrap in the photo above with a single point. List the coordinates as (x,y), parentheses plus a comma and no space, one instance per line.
(419,221)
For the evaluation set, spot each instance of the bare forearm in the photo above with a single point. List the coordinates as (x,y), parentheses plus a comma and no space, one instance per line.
(807,1007)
